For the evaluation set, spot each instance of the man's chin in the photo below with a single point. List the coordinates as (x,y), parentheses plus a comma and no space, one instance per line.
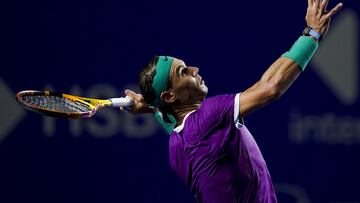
(205,90)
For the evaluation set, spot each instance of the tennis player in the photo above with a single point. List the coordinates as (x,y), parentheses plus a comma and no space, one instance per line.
(210,147)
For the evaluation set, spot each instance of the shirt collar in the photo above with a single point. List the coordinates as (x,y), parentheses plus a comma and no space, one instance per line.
(180,127)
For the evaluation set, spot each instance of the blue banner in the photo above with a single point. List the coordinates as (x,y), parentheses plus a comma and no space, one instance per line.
(310,138)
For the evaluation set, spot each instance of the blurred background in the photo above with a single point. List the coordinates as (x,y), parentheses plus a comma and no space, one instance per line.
(310,138)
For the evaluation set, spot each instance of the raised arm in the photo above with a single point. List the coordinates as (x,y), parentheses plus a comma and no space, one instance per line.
(284,71)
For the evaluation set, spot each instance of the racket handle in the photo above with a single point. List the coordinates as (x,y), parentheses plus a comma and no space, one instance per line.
(121,102)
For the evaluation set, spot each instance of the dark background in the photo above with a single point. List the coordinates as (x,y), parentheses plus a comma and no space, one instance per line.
(310,138)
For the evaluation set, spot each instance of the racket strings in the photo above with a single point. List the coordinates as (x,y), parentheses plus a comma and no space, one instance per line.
(55,103)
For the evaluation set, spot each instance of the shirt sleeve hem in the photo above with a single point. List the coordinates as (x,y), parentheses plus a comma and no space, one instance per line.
(239,122)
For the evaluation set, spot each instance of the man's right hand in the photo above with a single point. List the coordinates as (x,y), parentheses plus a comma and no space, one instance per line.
(140,106)
(318,17)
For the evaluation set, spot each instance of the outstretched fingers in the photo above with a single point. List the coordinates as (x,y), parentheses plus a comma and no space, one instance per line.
(323,5)
(316,3)
(333,11)
(310,3)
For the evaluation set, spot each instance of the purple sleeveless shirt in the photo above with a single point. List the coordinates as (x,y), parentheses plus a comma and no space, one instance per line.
(217,157)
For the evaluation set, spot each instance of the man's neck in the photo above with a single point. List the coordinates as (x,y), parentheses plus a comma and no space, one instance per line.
(182,111)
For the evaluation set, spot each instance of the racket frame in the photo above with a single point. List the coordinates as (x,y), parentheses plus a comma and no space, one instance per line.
(93,104)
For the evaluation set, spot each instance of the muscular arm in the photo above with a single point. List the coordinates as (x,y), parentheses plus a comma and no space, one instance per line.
(283,72)
(273,83)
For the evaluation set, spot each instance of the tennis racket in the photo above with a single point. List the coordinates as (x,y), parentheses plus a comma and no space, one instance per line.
(66,105)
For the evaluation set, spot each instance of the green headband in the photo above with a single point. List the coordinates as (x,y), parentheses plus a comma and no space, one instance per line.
(161,77)
(159,84)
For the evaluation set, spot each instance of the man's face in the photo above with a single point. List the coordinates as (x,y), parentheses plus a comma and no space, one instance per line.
(186,83)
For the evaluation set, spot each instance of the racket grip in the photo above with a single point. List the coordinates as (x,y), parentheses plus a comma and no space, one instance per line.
(121,102)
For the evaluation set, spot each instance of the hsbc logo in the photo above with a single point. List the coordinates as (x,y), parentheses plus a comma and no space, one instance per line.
(336,60)
(113,122)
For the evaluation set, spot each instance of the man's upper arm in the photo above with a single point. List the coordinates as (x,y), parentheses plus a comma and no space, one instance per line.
(273,83)
(256,97)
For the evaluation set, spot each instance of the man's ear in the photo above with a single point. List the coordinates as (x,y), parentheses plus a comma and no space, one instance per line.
(168,97)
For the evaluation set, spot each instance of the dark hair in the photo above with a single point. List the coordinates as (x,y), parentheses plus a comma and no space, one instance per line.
(146,78)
